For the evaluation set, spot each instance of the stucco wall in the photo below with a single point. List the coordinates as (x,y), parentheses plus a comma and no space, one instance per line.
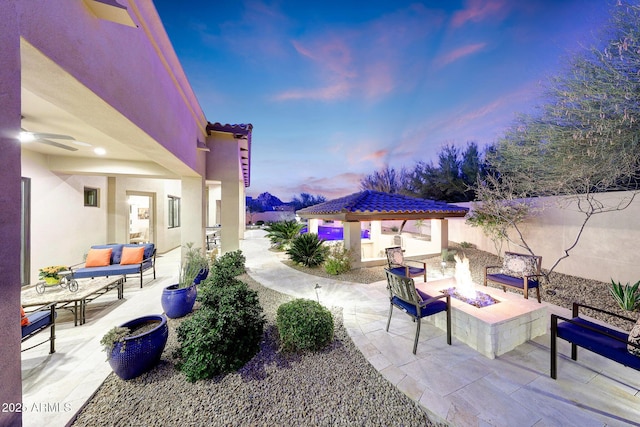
(605,251)
(59,214)
(140,78)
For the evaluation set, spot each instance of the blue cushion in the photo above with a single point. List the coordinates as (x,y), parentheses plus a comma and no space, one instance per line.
(116,251)
(37,320)
(597,342)
(413,271)
(112,270)
(516,282)
(428,310)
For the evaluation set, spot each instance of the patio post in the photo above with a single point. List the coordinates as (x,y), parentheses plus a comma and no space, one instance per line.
(10,214)
(351,235)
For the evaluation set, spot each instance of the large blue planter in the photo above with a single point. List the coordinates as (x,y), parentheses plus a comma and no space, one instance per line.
(141,352)
(178,302)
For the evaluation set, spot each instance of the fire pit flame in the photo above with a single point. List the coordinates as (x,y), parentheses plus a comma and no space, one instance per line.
(465,290)
(464,283)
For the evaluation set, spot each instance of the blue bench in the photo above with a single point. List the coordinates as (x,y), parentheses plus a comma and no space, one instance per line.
(594,337)
(40,320)
(117,269)
(519,271)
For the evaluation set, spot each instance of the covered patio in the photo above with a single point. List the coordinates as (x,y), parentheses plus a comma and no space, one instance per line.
(374,207)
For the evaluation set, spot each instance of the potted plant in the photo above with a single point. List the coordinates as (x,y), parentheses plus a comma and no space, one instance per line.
(135,347)
(178,299)
(50,274)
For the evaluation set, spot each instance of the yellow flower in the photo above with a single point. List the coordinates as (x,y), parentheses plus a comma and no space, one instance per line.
(52,271)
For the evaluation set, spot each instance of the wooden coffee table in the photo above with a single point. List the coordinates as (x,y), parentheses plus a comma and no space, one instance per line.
(76,302)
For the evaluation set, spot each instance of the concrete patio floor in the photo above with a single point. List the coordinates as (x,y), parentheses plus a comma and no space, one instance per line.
(453,384)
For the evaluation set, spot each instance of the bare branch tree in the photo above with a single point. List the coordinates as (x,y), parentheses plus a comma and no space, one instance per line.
(584,141)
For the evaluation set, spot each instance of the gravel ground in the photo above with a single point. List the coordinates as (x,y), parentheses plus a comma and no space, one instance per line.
(333,387)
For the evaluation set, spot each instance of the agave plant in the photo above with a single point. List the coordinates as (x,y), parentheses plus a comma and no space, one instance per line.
(308,250)
(282,233)
(627,296)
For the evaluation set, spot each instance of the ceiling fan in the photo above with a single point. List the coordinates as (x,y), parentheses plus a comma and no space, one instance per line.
(45,138)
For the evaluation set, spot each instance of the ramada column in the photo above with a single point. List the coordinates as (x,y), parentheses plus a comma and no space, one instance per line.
(352,242)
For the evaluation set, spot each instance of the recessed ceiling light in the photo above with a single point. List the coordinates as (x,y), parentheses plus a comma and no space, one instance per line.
(100,151)
(26,137)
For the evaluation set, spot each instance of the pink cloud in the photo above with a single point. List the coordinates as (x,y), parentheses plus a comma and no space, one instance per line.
(479,10)
(364,60)
(328,93)
(330,187)
(461,52)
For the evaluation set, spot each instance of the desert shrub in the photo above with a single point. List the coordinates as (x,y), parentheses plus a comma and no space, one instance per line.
(282,233)
(222,335)
(338,260)
(466,245)
(448,254)
(304,325)
(627,296)
(226,267)
(307,249)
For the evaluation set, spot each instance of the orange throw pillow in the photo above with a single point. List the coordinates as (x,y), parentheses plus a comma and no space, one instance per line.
(24,320)
(98,257)
(132,255)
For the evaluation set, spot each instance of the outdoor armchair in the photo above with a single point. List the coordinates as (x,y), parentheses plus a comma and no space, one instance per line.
(417,304)
(399,265)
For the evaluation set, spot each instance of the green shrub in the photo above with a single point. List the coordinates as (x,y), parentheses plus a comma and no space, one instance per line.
(338,260)
(627,296)
(466,245)
(222,335)
(226,267)
(307,249)
(448,254)
(282,233)
(304,325)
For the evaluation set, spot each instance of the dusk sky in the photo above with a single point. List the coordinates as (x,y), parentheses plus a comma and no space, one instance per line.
(338,89)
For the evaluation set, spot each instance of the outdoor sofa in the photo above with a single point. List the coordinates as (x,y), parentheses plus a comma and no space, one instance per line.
(621,347)
(118,259)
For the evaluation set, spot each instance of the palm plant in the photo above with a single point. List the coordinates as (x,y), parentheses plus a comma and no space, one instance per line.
(308,250)
(627,296)
(282,233)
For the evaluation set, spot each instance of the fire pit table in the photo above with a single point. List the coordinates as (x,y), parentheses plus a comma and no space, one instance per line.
(494,329)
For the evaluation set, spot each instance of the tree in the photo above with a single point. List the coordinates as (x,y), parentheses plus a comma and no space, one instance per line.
(453,180)
(305,200)
(386,180)
(585,139)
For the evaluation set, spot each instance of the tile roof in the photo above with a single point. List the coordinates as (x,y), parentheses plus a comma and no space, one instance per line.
(378,205)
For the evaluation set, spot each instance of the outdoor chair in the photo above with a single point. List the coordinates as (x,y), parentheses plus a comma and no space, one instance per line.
(519,271)
(417,304)
(399,265)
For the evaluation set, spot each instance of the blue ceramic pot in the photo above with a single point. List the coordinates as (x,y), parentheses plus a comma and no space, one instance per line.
(178,302)
(141,352)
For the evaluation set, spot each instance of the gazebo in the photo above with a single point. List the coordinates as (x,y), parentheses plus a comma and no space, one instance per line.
(375,206)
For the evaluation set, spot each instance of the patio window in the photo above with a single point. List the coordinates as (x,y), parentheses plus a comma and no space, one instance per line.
(174,212)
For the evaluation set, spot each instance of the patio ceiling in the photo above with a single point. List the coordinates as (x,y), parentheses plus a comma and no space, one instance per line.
(374,205)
